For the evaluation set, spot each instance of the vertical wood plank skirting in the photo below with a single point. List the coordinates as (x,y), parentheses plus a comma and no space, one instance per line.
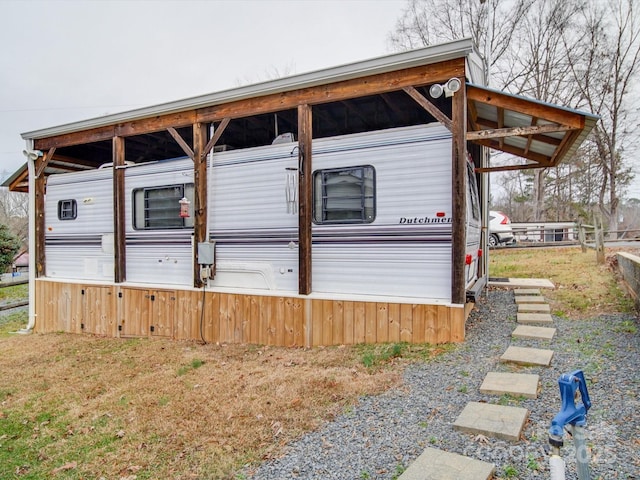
(238,318)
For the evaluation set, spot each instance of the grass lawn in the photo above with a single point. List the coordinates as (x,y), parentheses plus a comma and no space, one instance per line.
(78,406)
(14,293)
(583,288)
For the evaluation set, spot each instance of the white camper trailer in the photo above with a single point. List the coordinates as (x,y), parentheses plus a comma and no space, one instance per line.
(382,218)
(333,207)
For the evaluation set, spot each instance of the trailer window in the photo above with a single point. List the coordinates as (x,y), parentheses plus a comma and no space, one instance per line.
(158,208)
(344,195)
(67,209)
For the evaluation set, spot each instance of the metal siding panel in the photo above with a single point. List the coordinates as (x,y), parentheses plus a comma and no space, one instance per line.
(94,199)
(391,256)
(256,238)
(74,248)
(78,262)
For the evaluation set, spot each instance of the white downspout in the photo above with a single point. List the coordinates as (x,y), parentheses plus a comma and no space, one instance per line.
(32,241)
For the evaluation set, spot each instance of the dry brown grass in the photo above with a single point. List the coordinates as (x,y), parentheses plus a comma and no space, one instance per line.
(583,288)
(83,407)
(75,406)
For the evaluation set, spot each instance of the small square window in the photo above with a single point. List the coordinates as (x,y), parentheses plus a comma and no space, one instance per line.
(67,210)
(344,195)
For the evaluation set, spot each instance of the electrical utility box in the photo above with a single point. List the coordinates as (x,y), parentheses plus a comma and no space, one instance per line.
(207,253)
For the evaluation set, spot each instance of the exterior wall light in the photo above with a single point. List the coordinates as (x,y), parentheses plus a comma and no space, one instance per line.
(452,86)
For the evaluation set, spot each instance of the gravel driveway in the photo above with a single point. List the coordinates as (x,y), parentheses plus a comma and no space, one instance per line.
(380,436)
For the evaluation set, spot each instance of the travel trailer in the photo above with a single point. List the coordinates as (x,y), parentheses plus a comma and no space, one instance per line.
(341,206)
(381,218)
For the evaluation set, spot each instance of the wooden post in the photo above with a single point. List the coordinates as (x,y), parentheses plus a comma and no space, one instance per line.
(599,241)
(459,194)
(40,189)
(305,136)
(40,227)
(200,196)
(119,237)
(582,238)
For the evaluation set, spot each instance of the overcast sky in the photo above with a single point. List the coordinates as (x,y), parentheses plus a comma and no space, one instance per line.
(64,61)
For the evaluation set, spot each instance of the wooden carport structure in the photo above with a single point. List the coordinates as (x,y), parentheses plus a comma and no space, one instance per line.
(380,93)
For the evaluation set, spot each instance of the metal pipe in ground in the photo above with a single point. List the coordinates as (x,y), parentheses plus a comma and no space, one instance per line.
(582,453)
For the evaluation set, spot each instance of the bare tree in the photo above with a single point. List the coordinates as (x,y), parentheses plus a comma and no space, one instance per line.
(579,53)
(490,24)
(14,213)
(604,65)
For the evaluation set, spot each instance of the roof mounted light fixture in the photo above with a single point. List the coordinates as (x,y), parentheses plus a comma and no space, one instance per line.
(452,86)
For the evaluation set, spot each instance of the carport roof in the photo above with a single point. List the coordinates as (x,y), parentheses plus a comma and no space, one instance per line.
(541,133)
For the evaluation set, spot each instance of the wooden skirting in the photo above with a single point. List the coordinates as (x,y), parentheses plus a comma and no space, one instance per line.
(119,311)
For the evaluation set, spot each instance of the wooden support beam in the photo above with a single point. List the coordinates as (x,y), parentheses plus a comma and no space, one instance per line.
(180,141)
(76,138)
(505,168)
(305,136)
(42,162)
(459,192)
(536,157)
(333,92)
(216,136)
(428,106)
(500,113)
(534,122)
(156,124)
(547,112)
(567,141)
(200,196)
(40,225)
(119,235)
(517,131)
(359,87)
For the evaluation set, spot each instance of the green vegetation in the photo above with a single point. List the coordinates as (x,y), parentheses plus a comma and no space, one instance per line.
(378,355)
(510,471)
(195,363)
(399,471)
(9,246)
(532,462)
(14,293)
(11,322)
(507,399)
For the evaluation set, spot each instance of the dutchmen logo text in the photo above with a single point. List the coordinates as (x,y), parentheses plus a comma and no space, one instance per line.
(423,220)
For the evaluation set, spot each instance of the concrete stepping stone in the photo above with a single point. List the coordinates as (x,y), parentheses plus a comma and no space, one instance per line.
(521,282)
(500,383)
(527,356)
(527,291)
(503,422)
(536,333)
(434,464)
(534,318)
(530,299)
(534,308)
